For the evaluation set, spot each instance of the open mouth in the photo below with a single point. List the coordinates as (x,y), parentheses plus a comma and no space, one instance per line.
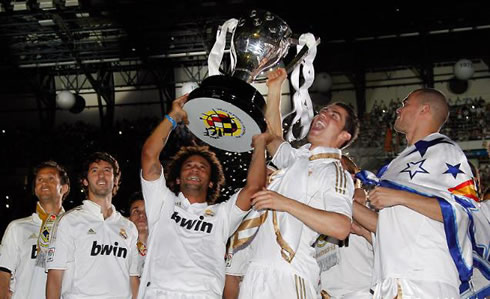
(194,179)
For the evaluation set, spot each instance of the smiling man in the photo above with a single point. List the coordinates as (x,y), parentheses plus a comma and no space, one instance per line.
(23,249)
(93,251)
(188,229)
(310,195)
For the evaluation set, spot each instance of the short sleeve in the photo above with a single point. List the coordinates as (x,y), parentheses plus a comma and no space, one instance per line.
(135,266)
(336,196)
(9,251)
(61,246)
(155,194)
(285,155)
(233,215)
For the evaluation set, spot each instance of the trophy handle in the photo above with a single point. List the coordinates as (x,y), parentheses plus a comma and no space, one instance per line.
(296,60)
(299,57)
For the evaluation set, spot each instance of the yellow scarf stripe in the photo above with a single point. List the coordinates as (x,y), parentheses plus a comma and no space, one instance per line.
(247,224)
(286,251)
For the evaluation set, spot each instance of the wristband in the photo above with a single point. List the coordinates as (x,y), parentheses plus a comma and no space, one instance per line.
(172,121)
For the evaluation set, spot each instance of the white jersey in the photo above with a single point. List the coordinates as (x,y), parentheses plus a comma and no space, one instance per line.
(186,246)
(237,262)
(98,255)
(348,269)
(18,253)
(409,245)
(327,187)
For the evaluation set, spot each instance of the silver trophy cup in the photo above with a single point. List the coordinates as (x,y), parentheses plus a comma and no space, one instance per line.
(226,111)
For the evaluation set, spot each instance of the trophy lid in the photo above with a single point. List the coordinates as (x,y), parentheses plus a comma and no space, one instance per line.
(260,40)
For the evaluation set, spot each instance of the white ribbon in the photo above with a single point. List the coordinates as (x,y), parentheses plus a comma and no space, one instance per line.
(303,106)
(216,55)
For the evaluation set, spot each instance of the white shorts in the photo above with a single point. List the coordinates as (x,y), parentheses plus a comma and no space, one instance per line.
(164,294)
(262,281)
(414,289)
(366,294)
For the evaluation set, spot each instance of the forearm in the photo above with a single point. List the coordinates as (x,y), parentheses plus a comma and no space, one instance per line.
(361,231)
(426,206)
(232,287)
(273,112)
(135,283)
(255,178)
(53,284)
(150,154)
(4,285)
(324,222)
(366,218)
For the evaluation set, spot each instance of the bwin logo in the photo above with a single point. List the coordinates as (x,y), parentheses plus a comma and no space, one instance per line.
(197,225)
(34,251)
(108,250)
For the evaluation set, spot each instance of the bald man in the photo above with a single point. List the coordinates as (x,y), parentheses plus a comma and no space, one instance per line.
(418,253)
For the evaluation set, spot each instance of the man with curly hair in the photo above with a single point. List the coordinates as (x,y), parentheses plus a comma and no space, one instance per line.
(93,251)
(188,230)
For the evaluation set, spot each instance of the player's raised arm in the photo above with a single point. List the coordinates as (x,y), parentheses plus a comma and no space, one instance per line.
(154,144)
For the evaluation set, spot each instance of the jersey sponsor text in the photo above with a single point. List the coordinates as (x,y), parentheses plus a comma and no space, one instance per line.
(108,250)
(189,224)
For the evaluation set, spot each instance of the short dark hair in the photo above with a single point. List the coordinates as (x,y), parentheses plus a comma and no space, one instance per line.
(102,156)
(437,101)
(352,125)
(64,178)
(217,177)
(135,196)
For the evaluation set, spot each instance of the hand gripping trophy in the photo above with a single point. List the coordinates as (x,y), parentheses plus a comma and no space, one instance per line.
(226,111)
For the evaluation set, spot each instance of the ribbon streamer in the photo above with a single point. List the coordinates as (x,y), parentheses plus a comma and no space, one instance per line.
(303,107)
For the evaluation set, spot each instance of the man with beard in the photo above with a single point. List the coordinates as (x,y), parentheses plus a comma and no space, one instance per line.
(26,240)
(93,251)
(424,197)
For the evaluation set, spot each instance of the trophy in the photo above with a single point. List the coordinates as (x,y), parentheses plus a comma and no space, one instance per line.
(226,111)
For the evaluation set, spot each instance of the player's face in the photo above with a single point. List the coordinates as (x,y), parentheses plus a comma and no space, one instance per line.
(327,127)
(100,178)
(195,174)
(137,215)
(406,114)
(48,185)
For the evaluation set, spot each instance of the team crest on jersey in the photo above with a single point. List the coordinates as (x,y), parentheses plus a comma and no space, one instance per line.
(321,241)
(123,233)
(219,123)
(209,213)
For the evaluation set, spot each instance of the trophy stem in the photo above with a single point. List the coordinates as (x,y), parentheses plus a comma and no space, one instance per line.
(243,74)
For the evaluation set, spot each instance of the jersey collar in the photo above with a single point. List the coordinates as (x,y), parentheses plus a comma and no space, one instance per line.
(95,209)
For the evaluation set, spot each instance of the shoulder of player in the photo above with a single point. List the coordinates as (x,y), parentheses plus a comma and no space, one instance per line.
(21,221)
(330,168)
(446,147)
(18,225)
(125,222)
(74,212)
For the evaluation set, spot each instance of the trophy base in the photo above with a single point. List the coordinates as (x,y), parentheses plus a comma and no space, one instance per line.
(225,113)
